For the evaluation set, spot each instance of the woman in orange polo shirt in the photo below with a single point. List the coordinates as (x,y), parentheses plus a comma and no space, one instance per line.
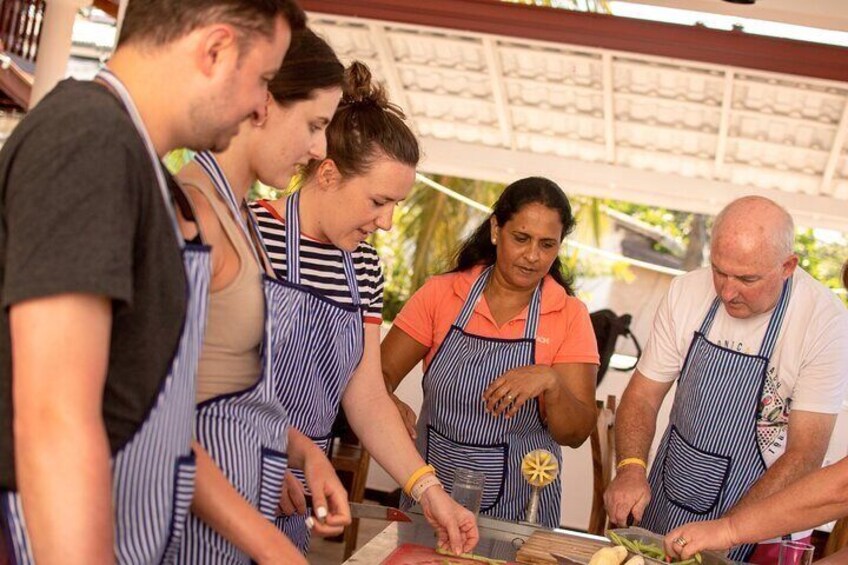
(509,353)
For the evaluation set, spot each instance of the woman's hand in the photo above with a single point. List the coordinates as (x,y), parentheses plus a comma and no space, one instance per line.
(508,393)
(456,527)
(407,414)
(329,497)
(292,497)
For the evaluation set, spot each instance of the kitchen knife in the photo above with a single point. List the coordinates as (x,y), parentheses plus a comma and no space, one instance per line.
(563,560)
(377,512)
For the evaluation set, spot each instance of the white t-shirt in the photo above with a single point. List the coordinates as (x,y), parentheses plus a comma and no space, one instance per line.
(808,369)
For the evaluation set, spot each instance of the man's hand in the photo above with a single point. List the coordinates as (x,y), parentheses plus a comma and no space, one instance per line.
(629,493)
(456,527)
(689,539)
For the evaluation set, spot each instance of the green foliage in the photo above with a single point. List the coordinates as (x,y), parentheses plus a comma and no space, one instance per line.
(822,259)
(428,228)
(177,159)
(261,191)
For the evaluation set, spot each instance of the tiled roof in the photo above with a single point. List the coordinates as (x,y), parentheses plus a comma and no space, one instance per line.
(678,133)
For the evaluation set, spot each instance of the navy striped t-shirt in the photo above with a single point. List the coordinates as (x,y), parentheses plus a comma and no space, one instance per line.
(322,265)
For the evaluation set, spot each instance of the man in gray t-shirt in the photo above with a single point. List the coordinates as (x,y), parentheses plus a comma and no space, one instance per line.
(91,275)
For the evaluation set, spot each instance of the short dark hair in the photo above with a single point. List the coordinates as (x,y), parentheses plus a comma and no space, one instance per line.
(478,249)
(310,64)
(162,21)
(366,126)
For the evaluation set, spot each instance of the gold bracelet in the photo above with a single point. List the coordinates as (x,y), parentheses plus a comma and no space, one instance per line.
(424,483)
(632,461)
(407,488)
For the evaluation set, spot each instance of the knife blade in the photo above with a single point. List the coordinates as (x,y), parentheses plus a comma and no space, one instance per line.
(563,560)
(377,512)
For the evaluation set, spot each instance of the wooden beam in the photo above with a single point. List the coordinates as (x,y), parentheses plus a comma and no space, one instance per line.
(603,180)
(603,31)
(724,125)
(108,6)
(499,93)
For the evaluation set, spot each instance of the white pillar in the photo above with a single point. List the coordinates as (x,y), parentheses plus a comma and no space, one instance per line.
(54,47)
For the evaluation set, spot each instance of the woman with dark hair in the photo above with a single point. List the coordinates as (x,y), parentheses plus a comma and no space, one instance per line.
(509,354)
(330,345)
(245,440)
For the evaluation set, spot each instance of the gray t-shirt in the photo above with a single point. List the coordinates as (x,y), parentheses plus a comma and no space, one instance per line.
(80,212)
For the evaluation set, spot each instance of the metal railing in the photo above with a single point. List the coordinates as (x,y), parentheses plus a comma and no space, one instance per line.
(20,26)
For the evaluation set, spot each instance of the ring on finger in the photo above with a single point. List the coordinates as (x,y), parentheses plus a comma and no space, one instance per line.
(509,398)
(681,541)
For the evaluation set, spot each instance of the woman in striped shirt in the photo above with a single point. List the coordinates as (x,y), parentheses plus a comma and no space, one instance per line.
(315,241)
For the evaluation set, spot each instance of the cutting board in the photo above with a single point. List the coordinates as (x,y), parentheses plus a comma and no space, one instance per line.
(538,547)
(412,554)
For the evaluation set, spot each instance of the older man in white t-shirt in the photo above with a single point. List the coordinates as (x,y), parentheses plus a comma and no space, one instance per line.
(759,351)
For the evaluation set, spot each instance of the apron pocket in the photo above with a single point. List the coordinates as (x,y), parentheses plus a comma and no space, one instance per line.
(185,470)
(323,443)
(693,479)
(271,481)
(446,455)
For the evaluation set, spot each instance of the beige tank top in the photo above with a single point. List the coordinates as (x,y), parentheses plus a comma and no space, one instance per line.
(229,361)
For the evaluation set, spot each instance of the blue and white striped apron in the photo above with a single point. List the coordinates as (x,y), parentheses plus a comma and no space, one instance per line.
(315,354)
(153,474)
(244,432)
(455,431)
(709,457)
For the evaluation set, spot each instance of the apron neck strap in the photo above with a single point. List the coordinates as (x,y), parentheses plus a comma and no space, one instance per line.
(293,238)
(350,275)
(113,82)
(775,322)
(710,317)
(293,250)
(773,330)
(222,186)
(533,309)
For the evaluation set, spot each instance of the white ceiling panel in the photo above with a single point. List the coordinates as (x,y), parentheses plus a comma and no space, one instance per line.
(497,108)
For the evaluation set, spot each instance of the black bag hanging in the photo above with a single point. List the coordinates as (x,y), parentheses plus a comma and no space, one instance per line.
(608,326)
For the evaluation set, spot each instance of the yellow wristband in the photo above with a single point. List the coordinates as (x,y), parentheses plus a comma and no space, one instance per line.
(632,461)
(407,488)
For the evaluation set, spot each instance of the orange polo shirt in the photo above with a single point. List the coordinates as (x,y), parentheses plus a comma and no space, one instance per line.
(564,334)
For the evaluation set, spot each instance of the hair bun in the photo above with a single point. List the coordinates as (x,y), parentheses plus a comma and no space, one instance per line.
(361,89)
(366,127)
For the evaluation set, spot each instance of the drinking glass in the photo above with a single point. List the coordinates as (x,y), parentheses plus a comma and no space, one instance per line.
(468,488)
(795,553)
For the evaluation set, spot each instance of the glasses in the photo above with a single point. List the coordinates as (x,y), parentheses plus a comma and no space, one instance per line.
(795,553)
(468,488)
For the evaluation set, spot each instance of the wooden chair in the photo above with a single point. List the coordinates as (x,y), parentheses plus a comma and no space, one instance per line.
(838,538)
(603,459)
(350,460)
